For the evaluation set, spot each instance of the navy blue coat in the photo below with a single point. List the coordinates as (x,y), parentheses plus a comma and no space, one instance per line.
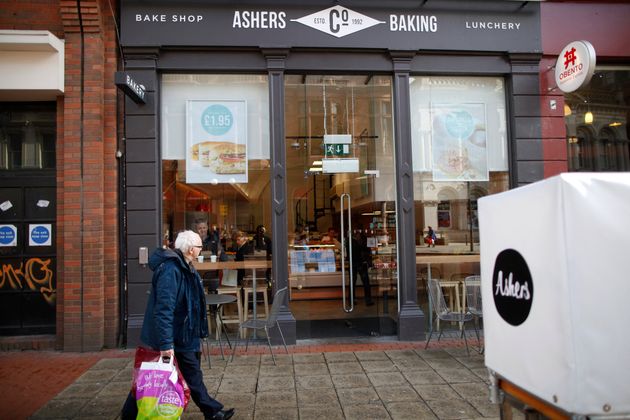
(175,317)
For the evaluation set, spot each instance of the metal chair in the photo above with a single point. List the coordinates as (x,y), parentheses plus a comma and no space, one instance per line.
(473,302)
(444,313)
(265,323)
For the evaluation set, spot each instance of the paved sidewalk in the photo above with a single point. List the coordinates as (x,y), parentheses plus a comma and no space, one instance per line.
(383,380)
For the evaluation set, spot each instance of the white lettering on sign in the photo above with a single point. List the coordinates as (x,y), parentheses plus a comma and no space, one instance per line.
(412,23)
(508,287)
(259,19)
(136,87)
(490,25)
(184,18)
(150,18)
(338,21)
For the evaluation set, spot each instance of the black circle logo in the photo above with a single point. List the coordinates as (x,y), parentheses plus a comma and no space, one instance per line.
(512,287)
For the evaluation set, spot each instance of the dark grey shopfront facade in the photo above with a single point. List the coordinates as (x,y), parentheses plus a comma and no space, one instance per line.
(407,38)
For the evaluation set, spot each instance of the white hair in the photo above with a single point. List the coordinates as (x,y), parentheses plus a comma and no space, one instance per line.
(186,240)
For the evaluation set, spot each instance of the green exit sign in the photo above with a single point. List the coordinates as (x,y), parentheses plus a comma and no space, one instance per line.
(337,149)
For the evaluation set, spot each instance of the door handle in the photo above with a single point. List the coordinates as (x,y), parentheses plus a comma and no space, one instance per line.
(346,197)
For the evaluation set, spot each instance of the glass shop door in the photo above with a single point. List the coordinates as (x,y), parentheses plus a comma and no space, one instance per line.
(341,205)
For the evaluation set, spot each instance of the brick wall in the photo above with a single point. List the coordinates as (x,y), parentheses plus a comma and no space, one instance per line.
(87,195)
(31,15)
(552,121)
(89,192)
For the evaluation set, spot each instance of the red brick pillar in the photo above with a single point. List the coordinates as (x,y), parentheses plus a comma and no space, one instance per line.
(87,269)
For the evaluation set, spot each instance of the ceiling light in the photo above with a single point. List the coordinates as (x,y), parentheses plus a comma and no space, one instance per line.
(614,124)
(312,169)
(567,110)
(588,117)
(317,163)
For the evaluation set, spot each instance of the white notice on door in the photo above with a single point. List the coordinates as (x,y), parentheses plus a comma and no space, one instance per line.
(6,205)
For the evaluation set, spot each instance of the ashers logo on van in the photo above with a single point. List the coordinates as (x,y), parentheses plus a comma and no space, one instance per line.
(512,286)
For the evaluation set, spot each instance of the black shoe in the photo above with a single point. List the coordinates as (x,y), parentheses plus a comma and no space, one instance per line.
(223,414)
(370,303)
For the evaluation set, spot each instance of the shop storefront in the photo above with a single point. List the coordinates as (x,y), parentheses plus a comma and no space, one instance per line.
(342,130)
(590,123)
(59,230)
(28,184)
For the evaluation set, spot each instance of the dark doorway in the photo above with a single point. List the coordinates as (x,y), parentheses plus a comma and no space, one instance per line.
(28,203)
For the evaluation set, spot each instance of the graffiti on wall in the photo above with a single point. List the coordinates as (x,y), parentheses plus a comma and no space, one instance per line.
(34,274)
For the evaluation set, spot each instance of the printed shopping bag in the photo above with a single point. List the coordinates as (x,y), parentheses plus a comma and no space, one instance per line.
(144,354)
(159,393)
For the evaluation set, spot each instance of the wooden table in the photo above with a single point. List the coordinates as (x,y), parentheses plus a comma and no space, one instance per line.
(248,264)
(455,284)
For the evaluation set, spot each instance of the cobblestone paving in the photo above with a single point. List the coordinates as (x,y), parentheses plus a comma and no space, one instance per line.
(379,384)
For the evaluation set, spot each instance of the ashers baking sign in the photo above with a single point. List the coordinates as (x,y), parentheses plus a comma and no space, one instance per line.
(337,26)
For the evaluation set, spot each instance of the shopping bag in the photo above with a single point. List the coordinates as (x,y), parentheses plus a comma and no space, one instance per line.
(159,394)
(230,278)
(148,355)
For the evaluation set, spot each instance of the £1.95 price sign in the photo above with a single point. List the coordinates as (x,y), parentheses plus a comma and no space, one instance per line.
(217,120)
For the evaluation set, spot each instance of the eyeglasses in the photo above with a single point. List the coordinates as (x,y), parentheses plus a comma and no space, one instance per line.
(198,246)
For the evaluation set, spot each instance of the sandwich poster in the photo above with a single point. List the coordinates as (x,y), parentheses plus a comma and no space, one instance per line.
(216,141)
(459,142)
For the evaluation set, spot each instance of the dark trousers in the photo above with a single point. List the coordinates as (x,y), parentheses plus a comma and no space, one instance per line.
(190,366)
(362,270)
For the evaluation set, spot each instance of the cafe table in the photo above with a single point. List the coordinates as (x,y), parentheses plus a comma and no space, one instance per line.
(454,284)
(248,264)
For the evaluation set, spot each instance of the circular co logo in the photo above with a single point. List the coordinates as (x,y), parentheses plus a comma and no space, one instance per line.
(216,120)
(40,235)
(169,403)
(512,286)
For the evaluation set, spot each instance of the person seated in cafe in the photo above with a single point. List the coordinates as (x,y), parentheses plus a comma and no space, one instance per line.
(301,236)
(209,239)
(263,243)
(330,238)
(361,262)
(241,248)
(210,242)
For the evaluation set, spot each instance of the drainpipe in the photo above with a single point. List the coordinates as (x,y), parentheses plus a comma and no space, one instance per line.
(81,141)
(123,314)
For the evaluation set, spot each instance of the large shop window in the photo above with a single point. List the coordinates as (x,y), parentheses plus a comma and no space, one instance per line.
(596,119)
(459,141)
(215,164)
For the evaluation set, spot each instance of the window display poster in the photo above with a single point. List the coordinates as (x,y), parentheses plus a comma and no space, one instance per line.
(459,149)
(216,141)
